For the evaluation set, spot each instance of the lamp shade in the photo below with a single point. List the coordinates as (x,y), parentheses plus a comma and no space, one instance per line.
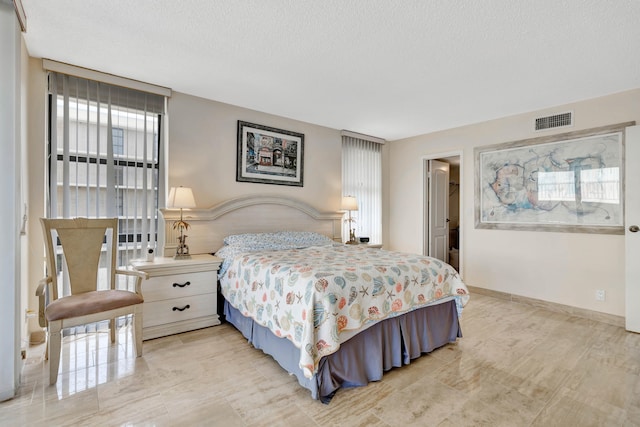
(349,203)
(181,197)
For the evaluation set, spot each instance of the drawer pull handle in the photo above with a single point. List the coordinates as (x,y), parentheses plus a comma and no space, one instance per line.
(178,285)
(181,309)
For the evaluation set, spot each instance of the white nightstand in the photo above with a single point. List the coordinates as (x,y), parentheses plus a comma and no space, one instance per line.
(180,295)
(372,245)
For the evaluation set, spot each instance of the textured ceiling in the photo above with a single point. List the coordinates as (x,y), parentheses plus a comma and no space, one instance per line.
(390,69)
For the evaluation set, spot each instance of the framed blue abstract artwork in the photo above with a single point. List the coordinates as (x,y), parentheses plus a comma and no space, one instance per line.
(570,182)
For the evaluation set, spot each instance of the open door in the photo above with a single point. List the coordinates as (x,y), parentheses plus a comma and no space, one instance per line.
(438,212)
(632,232)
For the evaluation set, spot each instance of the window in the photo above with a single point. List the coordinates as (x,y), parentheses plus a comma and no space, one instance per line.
(118,141)
(104,147)
(362,178)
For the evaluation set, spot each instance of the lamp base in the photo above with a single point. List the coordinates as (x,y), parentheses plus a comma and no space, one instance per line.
(182,251)
(352,237)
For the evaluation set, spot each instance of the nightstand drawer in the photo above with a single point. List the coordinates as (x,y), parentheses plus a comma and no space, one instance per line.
(178,309)
(178,285)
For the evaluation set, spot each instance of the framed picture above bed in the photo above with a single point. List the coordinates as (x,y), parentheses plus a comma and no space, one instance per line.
(268,155)
(571,182)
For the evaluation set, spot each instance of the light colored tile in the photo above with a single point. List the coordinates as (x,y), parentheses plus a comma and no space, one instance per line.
(207,412)
(603,386)
(565,412)
(517,364)
(422,403)
(476,412)
(62,411)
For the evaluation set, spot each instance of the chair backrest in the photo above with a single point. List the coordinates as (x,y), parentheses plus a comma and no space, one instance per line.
(82,242)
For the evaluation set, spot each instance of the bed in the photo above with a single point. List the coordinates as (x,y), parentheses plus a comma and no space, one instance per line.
(333,315)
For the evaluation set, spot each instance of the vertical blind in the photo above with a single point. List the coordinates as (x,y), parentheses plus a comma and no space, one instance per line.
(104,147)
(362,178)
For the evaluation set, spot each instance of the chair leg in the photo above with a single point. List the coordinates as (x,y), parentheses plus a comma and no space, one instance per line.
(112,329)
(137,329)
(55,344)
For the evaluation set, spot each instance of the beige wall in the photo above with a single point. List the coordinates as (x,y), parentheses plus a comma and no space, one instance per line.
(201,155)
(558,267)
(563,268)
(35,179)
(203,145)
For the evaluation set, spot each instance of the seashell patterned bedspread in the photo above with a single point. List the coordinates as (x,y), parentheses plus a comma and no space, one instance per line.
(312,296)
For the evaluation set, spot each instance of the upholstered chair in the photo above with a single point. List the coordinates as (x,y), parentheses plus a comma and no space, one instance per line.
(73,249)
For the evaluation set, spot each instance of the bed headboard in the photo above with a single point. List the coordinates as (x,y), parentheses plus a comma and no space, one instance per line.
(248,214)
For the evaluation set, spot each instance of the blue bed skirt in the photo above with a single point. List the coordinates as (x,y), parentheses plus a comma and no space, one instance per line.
(365,357)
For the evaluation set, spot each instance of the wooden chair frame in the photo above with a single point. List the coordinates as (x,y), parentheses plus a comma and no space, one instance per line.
(82,243)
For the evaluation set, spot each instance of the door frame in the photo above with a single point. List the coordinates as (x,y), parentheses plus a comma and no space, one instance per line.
(425,204)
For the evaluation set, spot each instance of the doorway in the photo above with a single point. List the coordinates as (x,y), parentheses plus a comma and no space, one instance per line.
(443,208)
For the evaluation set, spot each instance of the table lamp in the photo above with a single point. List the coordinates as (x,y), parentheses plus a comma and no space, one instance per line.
(182,198)
(349,203)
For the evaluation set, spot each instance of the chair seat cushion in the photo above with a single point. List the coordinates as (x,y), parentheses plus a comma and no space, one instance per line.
(90,303)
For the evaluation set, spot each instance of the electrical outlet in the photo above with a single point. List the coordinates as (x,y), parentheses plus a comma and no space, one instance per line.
(600,295)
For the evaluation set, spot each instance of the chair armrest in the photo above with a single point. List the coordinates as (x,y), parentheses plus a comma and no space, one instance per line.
(139,276)
(41,293)
(40,290)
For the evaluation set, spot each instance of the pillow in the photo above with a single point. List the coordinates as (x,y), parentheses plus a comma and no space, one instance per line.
(227,253)
(249,238)
(230,251)
(252,242)
(299,239)
(305,238)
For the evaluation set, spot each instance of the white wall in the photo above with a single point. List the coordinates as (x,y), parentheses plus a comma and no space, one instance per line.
(203,146)
(23,193)
(564,268)
(10,305)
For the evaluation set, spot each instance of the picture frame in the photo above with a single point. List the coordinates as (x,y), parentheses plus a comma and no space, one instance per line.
(570,182)
(267,155)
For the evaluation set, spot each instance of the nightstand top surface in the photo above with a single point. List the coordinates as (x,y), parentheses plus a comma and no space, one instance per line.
(195,262)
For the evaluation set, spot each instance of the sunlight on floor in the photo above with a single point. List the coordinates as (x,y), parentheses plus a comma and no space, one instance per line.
(89,359)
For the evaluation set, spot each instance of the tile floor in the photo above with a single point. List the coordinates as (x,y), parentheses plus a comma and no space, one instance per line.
(516,365)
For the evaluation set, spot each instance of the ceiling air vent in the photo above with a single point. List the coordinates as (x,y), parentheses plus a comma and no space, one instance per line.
(555,121)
